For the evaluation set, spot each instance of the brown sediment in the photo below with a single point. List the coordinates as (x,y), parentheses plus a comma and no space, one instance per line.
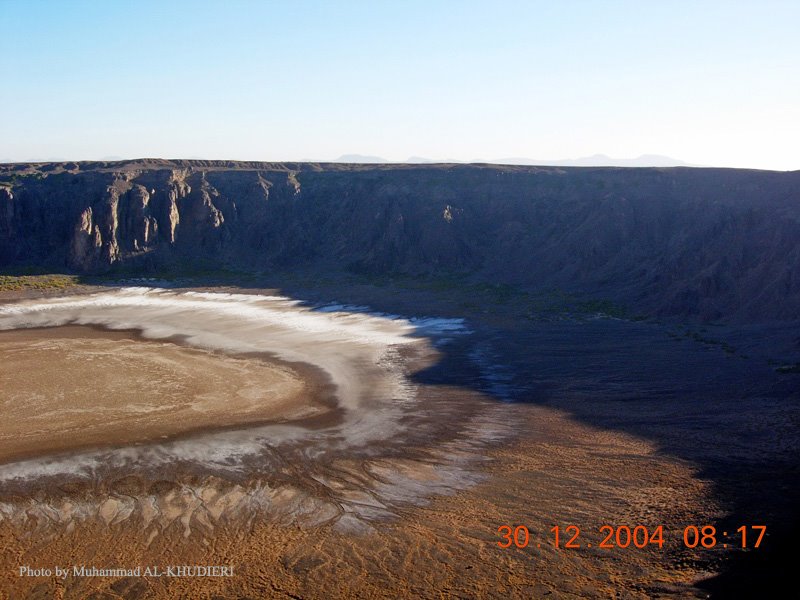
(78,387)
(560,473)
(319,519)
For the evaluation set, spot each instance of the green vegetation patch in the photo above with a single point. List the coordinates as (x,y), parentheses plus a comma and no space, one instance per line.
(499,297)
(700,337)
(50,281)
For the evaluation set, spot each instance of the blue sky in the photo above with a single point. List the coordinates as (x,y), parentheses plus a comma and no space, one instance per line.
(713,83)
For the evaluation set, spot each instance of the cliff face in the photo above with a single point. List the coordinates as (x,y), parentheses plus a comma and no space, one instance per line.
(713,243)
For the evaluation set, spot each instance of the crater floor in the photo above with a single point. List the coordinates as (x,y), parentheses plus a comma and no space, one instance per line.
(75,387)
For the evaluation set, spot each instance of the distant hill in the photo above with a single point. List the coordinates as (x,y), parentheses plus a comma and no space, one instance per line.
(596,160)
(601,160)
(360,159)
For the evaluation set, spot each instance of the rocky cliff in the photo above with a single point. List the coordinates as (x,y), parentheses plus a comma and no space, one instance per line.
(708,243)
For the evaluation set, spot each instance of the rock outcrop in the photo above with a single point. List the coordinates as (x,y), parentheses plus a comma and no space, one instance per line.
(709,243)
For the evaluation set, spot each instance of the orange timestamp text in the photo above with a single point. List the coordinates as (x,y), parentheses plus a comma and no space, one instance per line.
(624,536)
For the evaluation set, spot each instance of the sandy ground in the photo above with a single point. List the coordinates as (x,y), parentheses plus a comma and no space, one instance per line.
(76,387)
(565,473)
(619,425)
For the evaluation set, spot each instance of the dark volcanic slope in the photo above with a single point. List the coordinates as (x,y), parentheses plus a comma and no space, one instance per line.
(711,243)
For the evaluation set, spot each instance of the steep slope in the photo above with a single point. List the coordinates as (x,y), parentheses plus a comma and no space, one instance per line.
(708,243)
